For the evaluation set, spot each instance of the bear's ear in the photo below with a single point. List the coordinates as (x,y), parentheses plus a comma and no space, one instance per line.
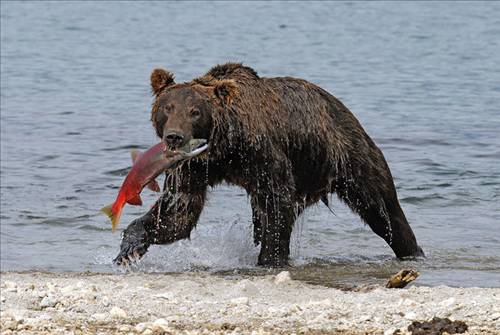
(161,79)
(225,90)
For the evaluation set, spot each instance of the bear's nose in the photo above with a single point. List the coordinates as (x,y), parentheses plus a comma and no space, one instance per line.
(173,139)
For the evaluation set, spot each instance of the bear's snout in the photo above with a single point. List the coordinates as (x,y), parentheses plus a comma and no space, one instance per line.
(173,139)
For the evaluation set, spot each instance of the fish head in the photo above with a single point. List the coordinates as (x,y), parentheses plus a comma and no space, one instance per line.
(194,147)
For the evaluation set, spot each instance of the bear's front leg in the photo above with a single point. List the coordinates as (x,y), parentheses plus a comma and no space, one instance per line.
(172,218)
(273,218)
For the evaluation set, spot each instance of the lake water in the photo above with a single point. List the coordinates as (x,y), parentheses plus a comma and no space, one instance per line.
(422,78)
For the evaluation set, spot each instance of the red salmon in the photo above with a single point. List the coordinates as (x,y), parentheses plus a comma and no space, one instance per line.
(146,168)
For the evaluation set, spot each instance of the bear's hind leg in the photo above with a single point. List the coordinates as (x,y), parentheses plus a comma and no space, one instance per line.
(371,193)
(273,218)
(390,223)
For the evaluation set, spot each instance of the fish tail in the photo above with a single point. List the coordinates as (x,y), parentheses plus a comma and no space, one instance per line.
(114,215)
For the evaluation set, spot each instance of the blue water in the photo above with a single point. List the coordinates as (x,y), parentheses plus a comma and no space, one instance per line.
(422,78)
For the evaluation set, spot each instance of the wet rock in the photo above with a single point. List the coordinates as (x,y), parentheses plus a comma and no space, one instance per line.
(402,278)
(117,312)
(437,326)
(282,277)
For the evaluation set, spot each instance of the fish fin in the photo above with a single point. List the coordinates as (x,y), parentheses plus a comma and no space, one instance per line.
(114,217)
(135,154)
(153,186)
(137,201)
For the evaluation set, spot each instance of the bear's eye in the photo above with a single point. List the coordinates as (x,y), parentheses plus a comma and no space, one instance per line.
(168,107)
(195,112)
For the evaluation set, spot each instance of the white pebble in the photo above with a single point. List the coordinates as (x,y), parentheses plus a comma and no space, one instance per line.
(117,312)
(10,324)
(140,327)
(160,325)
(495,316)
(14,314)
(124,328)
(99,316)
(67,289)
(448,302)
(48,301)
(324,302)
(10,286)
(282,277)
(165,295)
(105,301)
(239,301)
(410,316)
(389,331)
(50,287)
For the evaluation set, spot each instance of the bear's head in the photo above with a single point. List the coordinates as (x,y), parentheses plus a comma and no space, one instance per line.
(182,112)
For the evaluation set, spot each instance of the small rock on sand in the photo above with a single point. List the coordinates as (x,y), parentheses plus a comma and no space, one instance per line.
(140,327)
(282,277)
(105,301)
(239,301)
(117,312)
(10,286)
(48,301)
(99,316)
(160,325)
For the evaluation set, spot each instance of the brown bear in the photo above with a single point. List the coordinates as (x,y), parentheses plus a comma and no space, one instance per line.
(286,141)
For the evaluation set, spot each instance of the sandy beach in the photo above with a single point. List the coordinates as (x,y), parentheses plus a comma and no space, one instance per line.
(202,303)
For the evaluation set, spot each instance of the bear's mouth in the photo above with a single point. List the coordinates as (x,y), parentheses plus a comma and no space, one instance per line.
(193,148)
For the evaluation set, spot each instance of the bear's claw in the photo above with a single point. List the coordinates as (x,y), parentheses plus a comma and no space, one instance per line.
(130,254)
(134,244)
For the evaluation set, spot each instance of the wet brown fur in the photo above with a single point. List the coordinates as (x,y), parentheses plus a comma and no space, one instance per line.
(288,143)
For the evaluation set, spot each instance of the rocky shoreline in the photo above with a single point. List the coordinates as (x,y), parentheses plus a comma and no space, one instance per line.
(202,303)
